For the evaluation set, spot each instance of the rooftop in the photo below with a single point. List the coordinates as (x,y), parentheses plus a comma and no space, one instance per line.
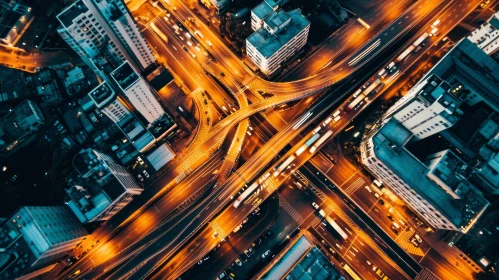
(22,120)
(125,76)
(67,16)
(102,94)
(268,44)
(389,144)
(262,10)
(303,261)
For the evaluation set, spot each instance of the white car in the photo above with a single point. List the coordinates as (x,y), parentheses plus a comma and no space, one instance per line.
(238,262)
(376,195)
(140,178)
(368,189)
(315,205)
(418,238)
(146,174)
(265,254)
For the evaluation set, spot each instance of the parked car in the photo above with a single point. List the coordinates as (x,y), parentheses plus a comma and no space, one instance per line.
(265,254)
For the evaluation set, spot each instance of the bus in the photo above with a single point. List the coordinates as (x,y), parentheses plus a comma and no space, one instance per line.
(307,144)
(351,273)
(158,32)
(337,228)
(320,141)
(404,55)
(245,194)
(284,165)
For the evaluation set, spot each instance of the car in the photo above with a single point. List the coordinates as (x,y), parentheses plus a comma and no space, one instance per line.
(376,195)
(395,227)
(140,178)
(368,262)
(146,174)
(375,268)
(414,242)
(245,220)
(380,273)
(114,148)
(378,183)
(315,205)
(390,217)
(239,262)
(139,159)
(418,238)
(265,254)
(390,210)
(200,261)
(215,234)
(368,189)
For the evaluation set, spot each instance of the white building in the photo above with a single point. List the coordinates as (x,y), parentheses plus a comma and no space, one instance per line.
(428,108)
(440,187)
(102,187)
(436,189)
(138,92)
(35,238)
(486,37)
(281,35)
(260,12)
(109,104)
(104,34)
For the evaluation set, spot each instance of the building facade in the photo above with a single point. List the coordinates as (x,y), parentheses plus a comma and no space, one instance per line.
(35,238)
(100,188)
(104,34)
(486,37)
(455,106)
(108,102)
(138,92)
(280,36)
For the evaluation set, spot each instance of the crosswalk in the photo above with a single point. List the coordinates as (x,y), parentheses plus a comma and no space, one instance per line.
(426,274)
(283,202)
(317,192)
(217,228)
(353,187)
(404,241)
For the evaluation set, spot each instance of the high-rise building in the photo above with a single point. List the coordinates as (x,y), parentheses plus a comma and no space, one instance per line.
(110,104)
(280,36)
(454,107)
(101,187)
(436,187)
(486,37)
(19,124)
(138,92)
(35,238)
(104,34)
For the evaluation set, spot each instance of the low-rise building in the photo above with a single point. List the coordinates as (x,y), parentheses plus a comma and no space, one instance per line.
(260,12)
(14,17)
(35,238)
(19,124)
(100,188)
(281,36)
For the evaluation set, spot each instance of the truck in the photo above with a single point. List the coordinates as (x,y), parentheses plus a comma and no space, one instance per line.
(336,227)
(284,165)
(370,89)
(404,54)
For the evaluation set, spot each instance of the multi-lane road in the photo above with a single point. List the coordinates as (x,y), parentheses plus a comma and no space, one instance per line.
(153,235)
